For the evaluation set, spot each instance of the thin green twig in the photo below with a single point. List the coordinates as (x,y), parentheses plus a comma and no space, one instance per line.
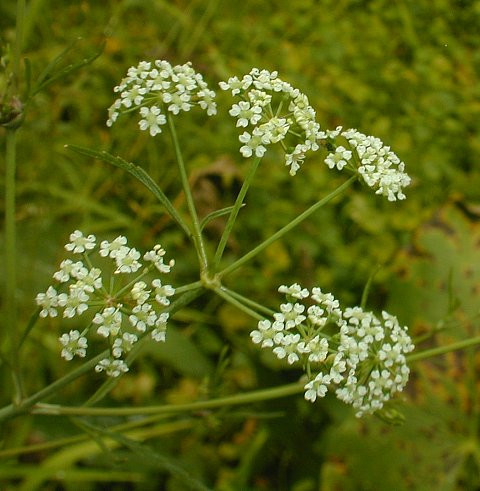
(222,292)
(10,262)
(234,213)
(196,232)
(441,350)
(235,400)
(248,302)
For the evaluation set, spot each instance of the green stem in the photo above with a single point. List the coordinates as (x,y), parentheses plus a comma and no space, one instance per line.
(441,350)
(31,324)
(237,399)
(248,302)
(280,233)
(19,36)
(234,213)
(10,262)
(222,292)
(196,233)
(186,288)
(368,285)
(10,225)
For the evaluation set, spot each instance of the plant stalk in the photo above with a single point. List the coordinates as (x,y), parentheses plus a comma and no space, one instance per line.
(280,233)
(196,232)
(237,399)
(234,213)
(441,350)
(10,263)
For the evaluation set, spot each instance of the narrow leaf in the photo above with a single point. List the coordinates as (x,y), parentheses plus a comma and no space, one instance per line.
(49,68)
(137,172)
(46,79)
(216,214)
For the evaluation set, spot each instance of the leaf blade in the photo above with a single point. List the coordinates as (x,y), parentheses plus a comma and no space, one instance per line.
(137,172)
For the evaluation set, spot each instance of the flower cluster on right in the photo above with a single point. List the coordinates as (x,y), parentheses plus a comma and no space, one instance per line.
(361,355)
(267,124)
(379,167)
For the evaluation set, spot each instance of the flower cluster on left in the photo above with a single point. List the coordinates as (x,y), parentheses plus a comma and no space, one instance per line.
(124,308)
(158,88)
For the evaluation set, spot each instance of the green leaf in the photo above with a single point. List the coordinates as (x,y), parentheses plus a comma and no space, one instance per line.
(216,214)
(49,74)
(137,172)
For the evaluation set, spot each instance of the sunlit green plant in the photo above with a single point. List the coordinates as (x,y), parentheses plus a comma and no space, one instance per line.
(362,356)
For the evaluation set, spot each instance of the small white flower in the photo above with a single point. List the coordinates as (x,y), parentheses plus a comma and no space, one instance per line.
(79,243)
(288,348)
(253,144)
(73,345)
(93,280)
(162,292)
(274,130)
(295,291)
(177,101)
(109,320)
(152,120)
(159,333)
(69,269)
(156,257)
(295,159)
(317,387)
(114,248)
(290,314)
(265,334)
(75,303)
(49,302)
(123,344)
(246,113)
(143,316)
(113,368)
(140,293)
(127,261)
(339,159)
(317,349)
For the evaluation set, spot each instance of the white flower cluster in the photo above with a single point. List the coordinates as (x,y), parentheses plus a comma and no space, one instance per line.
(259,91)
(380,168)
(361,355)
(156,88)
(120,317)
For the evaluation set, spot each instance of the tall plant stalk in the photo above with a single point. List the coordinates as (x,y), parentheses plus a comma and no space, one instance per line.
(10,207)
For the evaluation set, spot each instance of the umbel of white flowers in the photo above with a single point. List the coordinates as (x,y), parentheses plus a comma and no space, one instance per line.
(269,111)
(360,355)
(123,310)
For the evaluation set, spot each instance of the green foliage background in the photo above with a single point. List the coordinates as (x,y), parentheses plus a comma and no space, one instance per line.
(405,71)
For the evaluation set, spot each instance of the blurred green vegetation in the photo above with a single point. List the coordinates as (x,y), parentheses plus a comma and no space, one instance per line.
(405,71)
